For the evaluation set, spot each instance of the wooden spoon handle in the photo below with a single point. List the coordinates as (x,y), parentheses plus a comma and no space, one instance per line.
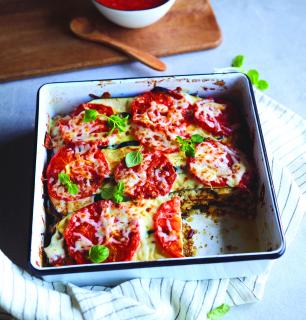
(146,58)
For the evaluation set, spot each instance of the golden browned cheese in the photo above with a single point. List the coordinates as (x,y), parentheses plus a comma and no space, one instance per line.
(65,207)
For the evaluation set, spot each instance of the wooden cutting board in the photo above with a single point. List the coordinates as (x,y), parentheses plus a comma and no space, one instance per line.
(35,37)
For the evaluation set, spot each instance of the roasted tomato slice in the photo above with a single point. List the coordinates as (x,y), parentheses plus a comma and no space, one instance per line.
(168,228)
(153,177)
(106,223)
(214,117)
(217,165)
(86,167)
(154,109)
(73,129)
(160,118)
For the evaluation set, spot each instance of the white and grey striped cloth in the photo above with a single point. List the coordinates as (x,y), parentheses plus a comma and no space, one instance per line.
(26,297)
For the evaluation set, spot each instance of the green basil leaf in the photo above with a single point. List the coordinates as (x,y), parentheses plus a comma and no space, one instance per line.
(72,188)
(90,115)
(238,61)
(118,192)
(218,312)
(118,197)
(133,158)
(180,139)
(188,146)
(196,138)
(183,143)
(64,178)
(262,85)
(117,122)
(119,187)
(190,152)
(253,75)
(115,193)
(107,193)
(98,253)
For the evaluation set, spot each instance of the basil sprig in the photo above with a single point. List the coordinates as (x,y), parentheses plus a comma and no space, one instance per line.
(64,179)
(188,145)
(254,77)
(115,193)
(253,74)
(114,121)
(133,158)
(218,312)
(117,122)
(98,253)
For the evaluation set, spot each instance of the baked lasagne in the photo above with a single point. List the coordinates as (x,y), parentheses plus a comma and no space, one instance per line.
(125,174)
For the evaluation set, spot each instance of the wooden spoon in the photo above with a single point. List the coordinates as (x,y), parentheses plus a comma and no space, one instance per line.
(84,29)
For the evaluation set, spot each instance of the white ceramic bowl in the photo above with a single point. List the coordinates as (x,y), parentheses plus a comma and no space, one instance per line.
(135,18)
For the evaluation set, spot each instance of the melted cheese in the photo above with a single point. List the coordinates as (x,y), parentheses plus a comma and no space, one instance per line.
(55,250)
(66,207)
(77,130)
(113,226)
(211,164)
(156,139)
(184,181)
(118,104)
(207,110)
(55,133)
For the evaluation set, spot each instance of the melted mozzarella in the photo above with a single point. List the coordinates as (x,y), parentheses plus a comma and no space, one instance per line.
(113,226)
(55,250)
(208,110)
(212,164)
(66,207)
(77,130)
(118,104)
(156,139)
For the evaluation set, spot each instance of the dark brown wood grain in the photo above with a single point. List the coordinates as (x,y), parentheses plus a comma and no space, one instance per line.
(35,37)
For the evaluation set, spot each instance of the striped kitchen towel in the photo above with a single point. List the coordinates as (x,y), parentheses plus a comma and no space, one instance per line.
(25,297)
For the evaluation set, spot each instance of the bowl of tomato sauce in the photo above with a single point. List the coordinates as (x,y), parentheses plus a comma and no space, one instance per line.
(133,13)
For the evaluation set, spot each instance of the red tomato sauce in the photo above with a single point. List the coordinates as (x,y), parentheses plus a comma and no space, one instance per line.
(132,4)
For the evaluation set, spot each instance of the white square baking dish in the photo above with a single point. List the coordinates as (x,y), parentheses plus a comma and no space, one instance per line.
(256,243)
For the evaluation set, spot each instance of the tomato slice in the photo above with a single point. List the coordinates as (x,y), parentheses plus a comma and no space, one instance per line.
(153,177)
(160,118)
(85,165)
(101,108)
(217,165)
(216,118)
(106,223)
(73,129)
(168,228)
